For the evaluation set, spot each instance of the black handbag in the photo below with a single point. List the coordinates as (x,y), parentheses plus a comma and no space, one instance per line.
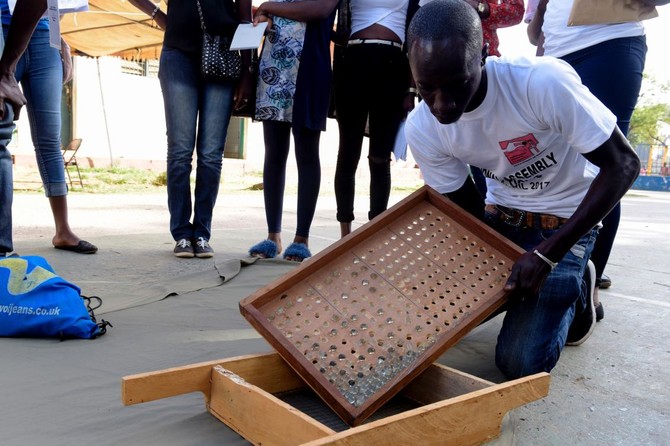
(249,109)
(218,62)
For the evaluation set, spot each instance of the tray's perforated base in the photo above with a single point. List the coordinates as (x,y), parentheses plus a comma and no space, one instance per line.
(368,316)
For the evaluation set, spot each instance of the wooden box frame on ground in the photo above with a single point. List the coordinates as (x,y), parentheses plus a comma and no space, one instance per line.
(369,313)
(454,408)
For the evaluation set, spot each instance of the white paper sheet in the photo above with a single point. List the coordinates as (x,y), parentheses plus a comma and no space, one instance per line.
(248,36)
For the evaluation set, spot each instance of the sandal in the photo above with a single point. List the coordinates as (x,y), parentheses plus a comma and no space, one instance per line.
(298,251)
(83,247)
(267,249)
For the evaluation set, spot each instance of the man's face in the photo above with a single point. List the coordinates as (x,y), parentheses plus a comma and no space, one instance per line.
(446,76)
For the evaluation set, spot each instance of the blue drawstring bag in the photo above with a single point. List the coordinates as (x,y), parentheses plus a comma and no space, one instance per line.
(36,302)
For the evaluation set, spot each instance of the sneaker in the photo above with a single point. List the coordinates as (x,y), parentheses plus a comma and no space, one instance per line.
(604,282)
(584,322)
(184,249)
(202,248)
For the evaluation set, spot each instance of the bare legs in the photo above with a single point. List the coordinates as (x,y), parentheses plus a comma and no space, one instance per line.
(64,235)
(345,229)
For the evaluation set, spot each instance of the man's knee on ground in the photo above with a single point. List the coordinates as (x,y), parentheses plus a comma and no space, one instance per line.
(519,364)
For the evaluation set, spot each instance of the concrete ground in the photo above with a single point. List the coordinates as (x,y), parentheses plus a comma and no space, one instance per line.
(612,390)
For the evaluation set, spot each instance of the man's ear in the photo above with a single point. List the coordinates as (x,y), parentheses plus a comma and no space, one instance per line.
(485,53)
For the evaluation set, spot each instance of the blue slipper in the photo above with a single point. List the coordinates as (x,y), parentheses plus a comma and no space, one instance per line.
(298,250)
(267,249)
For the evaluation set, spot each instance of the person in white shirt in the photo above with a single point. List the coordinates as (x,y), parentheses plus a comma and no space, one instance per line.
(609,58)
(555,161)
(373,87)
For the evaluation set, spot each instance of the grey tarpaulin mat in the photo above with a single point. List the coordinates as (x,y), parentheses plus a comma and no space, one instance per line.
(69,393)
(127,295)
(138,273)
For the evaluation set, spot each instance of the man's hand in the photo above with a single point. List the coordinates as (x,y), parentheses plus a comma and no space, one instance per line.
(527,276)
(10,92)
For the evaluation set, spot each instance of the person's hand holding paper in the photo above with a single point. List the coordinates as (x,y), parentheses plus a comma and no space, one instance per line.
(248,36)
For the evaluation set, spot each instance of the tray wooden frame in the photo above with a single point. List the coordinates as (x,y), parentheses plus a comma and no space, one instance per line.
(456,408)
(268,296)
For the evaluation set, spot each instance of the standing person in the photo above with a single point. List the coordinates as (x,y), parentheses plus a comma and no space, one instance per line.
(197,113)
(555,162)
(375,86)
(27,14)
(609,59)
(6,178)
(41,71)
(292,97)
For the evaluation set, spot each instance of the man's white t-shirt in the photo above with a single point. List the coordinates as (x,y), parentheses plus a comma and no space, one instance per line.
(528,136)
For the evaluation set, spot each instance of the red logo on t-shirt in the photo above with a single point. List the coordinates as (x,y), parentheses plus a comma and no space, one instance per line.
(520,149)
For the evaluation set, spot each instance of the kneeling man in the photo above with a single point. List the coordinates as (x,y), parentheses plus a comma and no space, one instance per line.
(555,162)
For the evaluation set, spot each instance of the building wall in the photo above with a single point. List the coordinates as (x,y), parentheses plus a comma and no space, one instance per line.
(118,116)
(120,119)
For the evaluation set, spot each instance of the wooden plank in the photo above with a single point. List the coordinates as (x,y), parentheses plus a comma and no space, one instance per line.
(440,382)
(471,414)
(267,371)
(257,415)
(469,419)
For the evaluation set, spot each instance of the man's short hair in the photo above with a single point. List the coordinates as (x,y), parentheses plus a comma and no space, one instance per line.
(444,19)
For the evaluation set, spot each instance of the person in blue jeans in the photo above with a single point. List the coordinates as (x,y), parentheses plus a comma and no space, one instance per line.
(609,59)
(6,182)
(555,163)
(12,99)
(197,113)
(41,71)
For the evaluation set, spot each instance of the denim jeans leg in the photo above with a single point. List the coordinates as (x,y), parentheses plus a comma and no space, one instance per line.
(179,78)
(612,70)
(40,72)
(215,111)
(535,329)
(6,182)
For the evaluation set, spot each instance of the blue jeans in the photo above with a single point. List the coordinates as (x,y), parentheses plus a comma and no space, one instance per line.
(612,71)
(535,328)
(6,182)
(40,72)
(197,113)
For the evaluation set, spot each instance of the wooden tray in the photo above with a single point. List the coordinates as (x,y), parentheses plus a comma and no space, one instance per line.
(367,315)
(247,394)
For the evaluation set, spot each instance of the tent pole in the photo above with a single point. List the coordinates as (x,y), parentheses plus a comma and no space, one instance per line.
(104,114)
